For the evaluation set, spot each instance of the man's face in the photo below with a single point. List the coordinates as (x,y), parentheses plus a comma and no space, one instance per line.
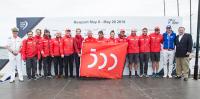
(100,35)
(38,32)
(78,32)
(157,31)
(133,32)
(112,35)
(30,34)
(169,30)
(67,32)
(47,33)
(122,33)
(181,31)
(144,32)
(89,34)
(58,34)
(15,34)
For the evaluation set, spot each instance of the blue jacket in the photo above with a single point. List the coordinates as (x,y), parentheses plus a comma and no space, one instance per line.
(169,40)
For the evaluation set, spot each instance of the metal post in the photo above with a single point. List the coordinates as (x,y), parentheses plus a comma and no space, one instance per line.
(178,7)
(164,7)
(190,16)
(197,46)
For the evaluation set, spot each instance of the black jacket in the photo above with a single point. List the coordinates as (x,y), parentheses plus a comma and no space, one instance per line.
(184,46)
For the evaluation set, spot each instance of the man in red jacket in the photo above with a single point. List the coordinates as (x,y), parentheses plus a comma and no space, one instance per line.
(156,40)
(144,44)
(78,41)
(101,37)
(38,39)
(133,51)
(67,50)
(90,37)
(46,53)
(30,50)
(55,53)
(112,37)
(121,37)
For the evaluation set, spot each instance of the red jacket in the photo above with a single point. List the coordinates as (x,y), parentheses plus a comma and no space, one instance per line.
(90,39)
(101,39)
(78,41)
(156,41)
(113,40)
(55,47)
(38,40)
(46,46)
(121,40)
(133,44)
(29,48)
(67,46)
(144,43)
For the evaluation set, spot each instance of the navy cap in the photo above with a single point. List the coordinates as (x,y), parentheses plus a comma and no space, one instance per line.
(168,27)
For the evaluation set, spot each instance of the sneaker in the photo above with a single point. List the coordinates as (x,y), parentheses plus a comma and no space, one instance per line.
(45,77)
(36,75)
(185,79)
(12,81)
(153,75)
(29,79)
(178,77)
(21,80)
(49,76)
(130,74)
(34,78)
(141,75)
(136,75)
(164,76)
(170,76)
(157,75)
(147,76)
(39,75)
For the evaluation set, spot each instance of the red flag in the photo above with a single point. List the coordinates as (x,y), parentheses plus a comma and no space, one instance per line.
(103,59)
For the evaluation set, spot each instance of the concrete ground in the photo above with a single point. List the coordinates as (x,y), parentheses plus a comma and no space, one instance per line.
(126,88)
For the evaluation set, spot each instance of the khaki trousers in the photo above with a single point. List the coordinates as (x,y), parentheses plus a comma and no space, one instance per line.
(182,66)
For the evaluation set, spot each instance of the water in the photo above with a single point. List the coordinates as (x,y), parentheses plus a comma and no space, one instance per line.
(3,53)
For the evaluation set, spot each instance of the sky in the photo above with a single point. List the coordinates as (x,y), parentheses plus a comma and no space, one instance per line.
(10,9)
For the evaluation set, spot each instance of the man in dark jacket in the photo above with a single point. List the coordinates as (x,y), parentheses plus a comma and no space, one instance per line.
(183,50)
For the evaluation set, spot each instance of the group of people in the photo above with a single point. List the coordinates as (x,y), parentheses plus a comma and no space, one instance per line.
(64,50)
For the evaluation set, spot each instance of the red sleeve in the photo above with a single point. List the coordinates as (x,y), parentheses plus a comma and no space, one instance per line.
(161,39)
(62,46)
(23,49)
(41,47)
(75,46)
(38,51)
(52,47)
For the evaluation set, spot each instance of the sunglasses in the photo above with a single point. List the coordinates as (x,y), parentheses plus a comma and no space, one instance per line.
(68,30)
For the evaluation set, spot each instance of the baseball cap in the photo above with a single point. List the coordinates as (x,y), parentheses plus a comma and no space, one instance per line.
(168,27)
(15,29)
